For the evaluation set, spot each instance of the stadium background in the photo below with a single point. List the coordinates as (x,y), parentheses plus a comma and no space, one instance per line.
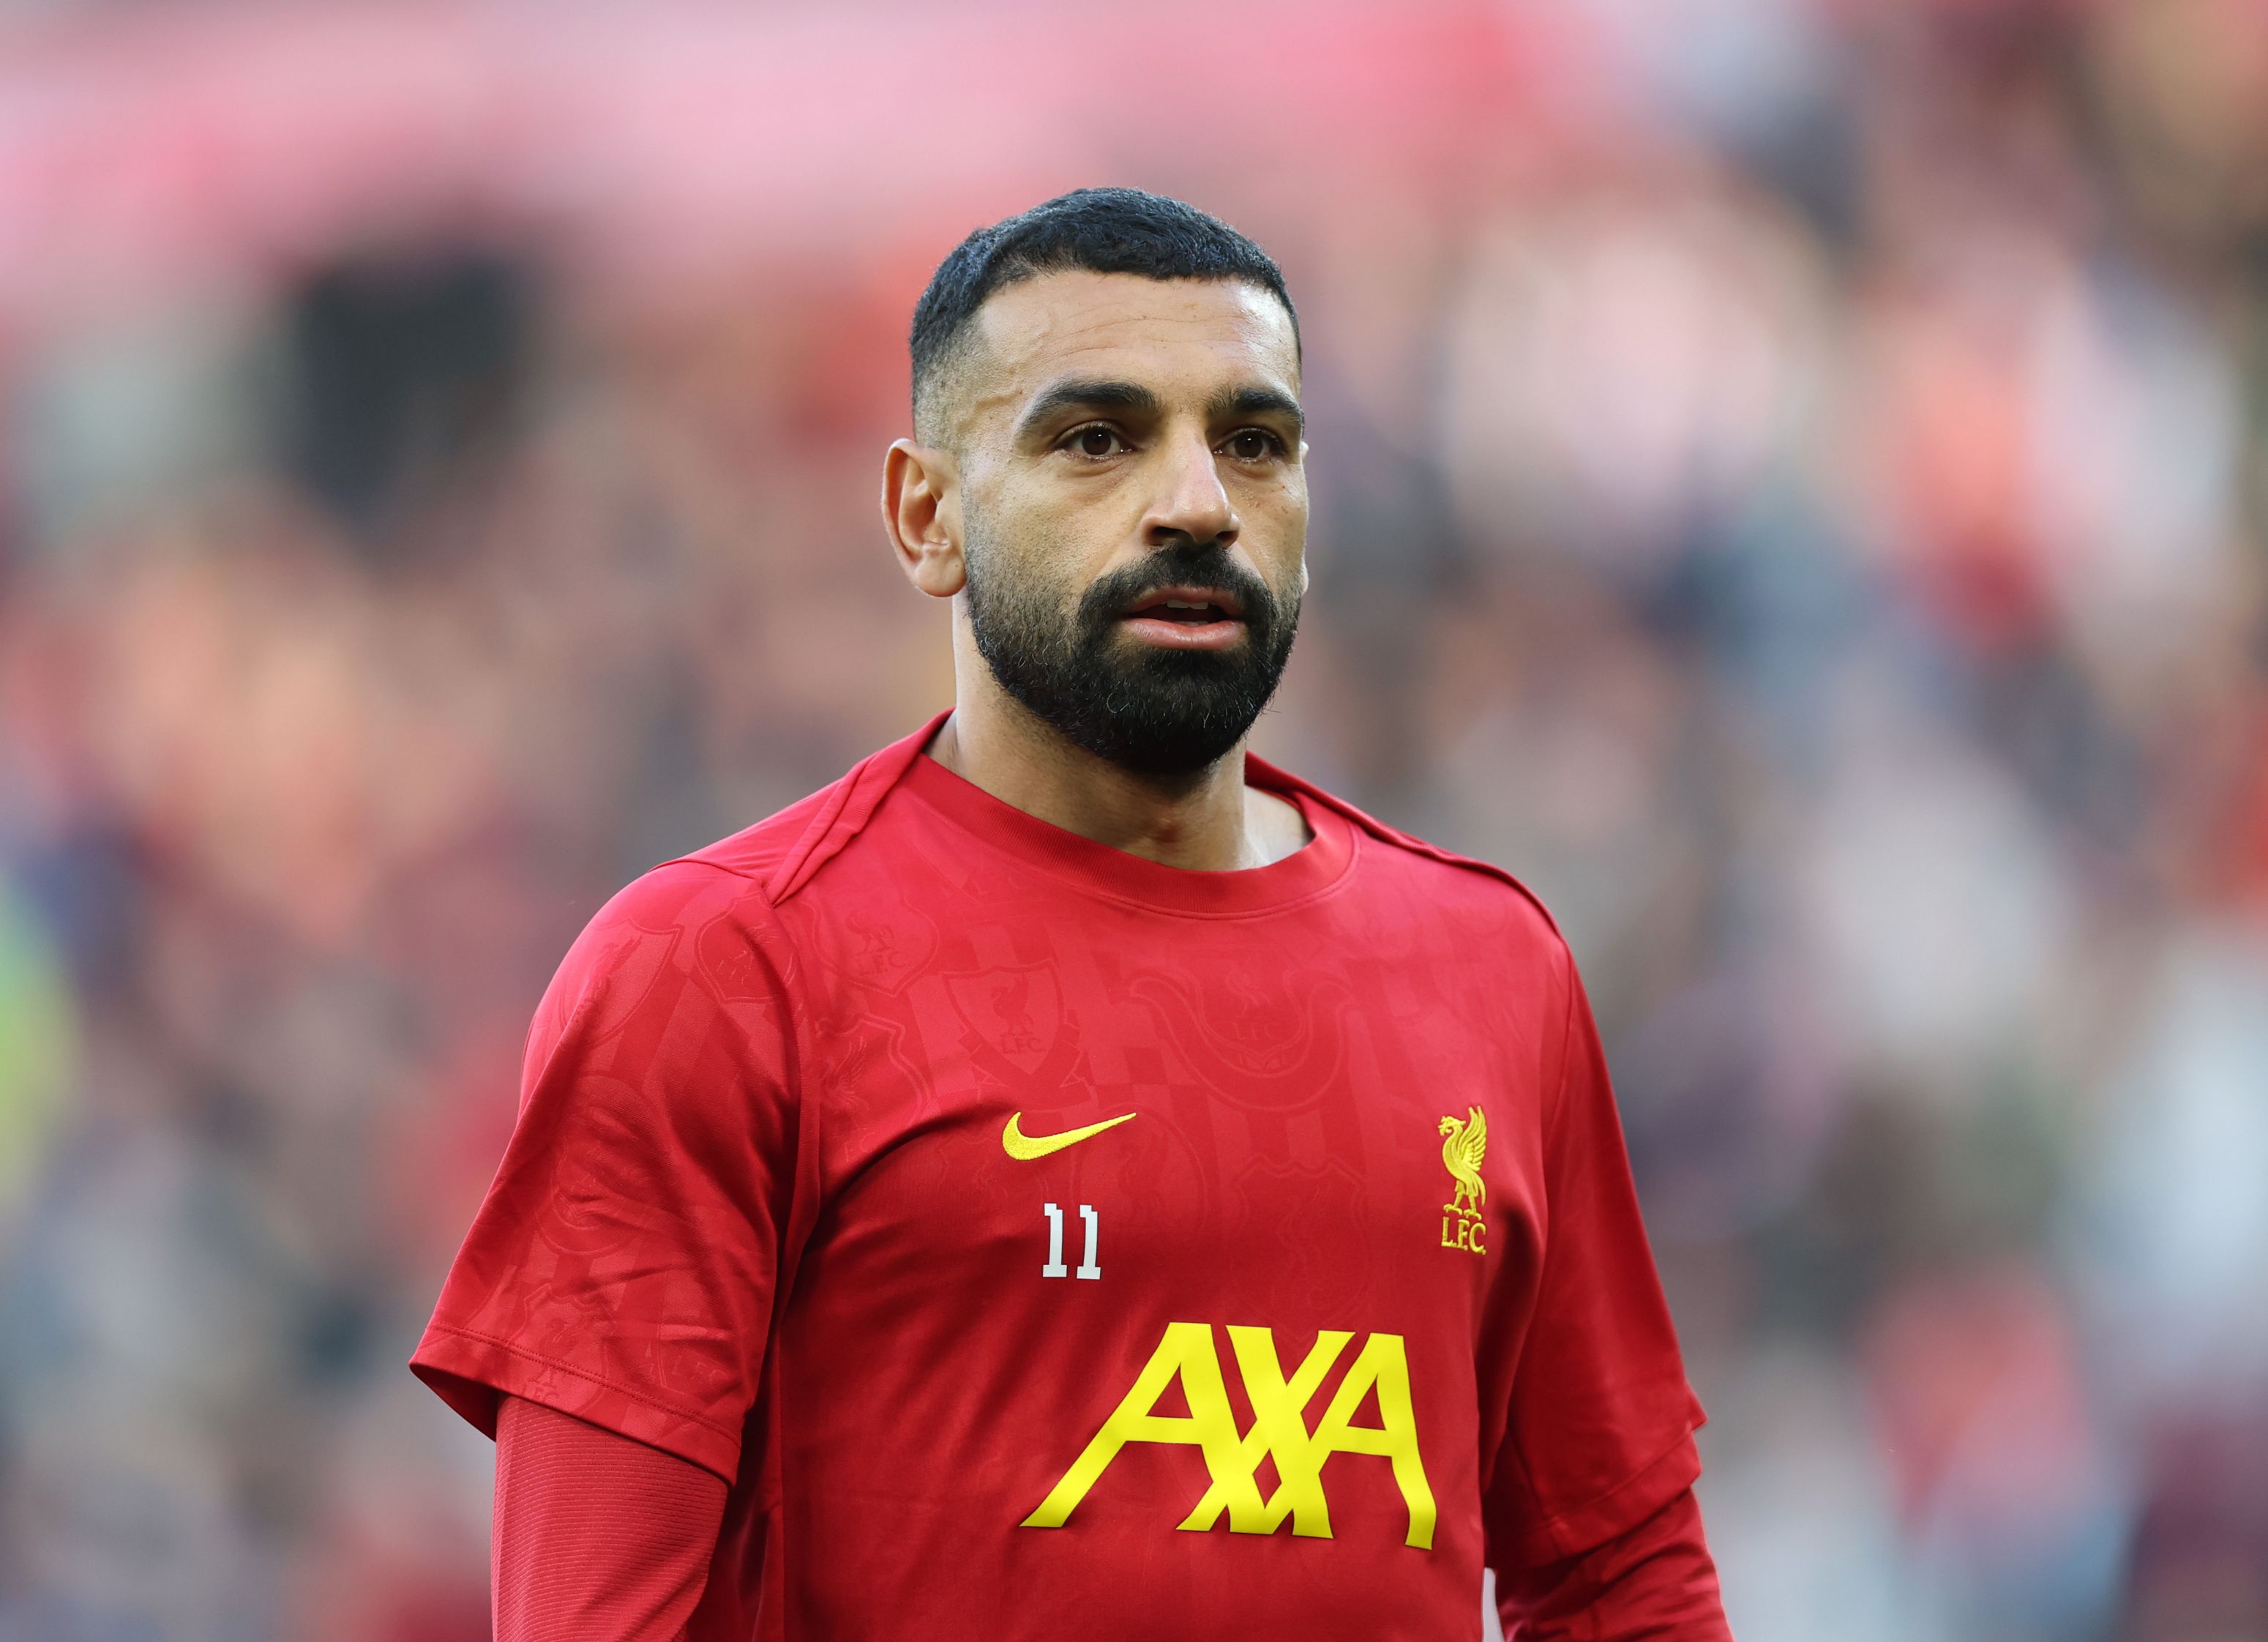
(1790,483)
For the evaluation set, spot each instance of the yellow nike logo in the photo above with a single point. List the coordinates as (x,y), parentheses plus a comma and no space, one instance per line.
(1023,1148)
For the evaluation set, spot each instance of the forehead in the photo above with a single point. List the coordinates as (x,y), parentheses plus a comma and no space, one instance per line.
(1164,334)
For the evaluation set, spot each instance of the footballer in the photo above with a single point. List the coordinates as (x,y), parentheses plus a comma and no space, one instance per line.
(1068,1180)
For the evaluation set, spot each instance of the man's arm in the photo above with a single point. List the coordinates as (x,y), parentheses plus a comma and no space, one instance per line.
(1653,1583)
(597,1536)
(606,1315)
(1592,1524)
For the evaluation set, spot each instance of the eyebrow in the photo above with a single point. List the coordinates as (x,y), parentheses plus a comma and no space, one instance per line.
(1102,394)
(1249,401)
(1086,393)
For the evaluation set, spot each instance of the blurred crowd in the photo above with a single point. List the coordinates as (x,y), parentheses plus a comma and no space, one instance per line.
(1805,516)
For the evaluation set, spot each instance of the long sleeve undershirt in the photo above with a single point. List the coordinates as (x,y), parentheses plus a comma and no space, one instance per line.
(597,1537)
(1655,1583)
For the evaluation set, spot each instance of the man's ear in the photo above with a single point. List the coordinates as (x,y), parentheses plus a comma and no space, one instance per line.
(921,509)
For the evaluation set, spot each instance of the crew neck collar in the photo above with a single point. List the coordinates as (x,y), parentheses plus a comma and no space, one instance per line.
(1101,869)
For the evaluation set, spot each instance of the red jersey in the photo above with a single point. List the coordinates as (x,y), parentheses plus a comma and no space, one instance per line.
(1046,1243)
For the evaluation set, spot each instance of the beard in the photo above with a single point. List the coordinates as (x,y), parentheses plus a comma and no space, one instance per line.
(1146,709)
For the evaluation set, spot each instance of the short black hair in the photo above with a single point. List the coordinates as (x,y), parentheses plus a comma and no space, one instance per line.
(1102,230)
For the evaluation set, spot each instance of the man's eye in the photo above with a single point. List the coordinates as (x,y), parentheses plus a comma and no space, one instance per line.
(1252,445)
(1095,441)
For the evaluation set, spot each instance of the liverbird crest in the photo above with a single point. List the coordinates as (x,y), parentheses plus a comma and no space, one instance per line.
(1464,1143)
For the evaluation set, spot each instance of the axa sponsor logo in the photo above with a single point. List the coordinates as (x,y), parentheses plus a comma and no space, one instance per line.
(1279,1431)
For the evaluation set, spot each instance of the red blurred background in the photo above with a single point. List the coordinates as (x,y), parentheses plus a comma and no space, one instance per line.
(1789,485)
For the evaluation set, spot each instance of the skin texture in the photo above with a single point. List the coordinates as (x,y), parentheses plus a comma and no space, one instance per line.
(1070,488)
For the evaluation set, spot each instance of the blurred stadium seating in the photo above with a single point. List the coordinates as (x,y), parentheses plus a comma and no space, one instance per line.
(1791,483)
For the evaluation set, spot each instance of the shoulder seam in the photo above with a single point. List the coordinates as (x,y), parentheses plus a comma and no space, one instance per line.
(847,804)
(1567,1038)
(789,875)
(856,797)
(698,860)
(1387,834)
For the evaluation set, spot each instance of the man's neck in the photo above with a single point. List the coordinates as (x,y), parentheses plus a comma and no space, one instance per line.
(1208,822)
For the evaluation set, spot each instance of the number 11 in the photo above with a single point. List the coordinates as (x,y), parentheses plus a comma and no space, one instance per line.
(1055,1267)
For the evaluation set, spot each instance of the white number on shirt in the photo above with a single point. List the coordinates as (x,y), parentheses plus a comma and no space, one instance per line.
(1089,1267)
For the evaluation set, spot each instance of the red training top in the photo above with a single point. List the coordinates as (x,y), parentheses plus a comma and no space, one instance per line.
(1042,1241)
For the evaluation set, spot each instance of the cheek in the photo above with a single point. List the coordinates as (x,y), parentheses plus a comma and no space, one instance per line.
(1276,535)
(1065,534)
(1022,556)
(1064,551)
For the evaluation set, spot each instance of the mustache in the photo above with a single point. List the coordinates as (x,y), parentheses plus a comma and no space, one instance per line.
(1107,597)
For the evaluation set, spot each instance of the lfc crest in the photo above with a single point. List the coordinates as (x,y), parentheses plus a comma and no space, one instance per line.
(1019,1031)
(1464,1142)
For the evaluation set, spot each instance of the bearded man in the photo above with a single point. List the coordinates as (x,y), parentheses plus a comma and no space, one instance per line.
(1070,1178)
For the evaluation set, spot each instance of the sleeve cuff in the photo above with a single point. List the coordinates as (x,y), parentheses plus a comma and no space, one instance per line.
(1631,1502)
(472,1373)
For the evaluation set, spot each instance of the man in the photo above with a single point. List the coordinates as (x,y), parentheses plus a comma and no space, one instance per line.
(1069,1179)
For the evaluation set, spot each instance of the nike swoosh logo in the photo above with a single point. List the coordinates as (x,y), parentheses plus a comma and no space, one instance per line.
(1023,1148)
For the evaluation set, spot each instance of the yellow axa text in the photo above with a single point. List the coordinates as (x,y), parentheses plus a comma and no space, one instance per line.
(1279,1431)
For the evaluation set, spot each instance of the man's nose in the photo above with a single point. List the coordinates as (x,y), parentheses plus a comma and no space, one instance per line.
(1191,501)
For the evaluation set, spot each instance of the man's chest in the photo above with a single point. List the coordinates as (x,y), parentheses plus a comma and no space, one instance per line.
(1289,1117)
(1122,1230)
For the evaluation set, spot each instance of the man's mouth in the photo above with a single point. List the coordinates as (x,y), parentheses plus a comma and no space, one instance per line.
(1191,605)
(1186,618)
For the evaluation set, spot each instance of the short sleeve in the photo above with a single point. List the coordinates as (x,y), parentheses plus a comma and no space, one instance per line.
(1599,1432)
(622,1266)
